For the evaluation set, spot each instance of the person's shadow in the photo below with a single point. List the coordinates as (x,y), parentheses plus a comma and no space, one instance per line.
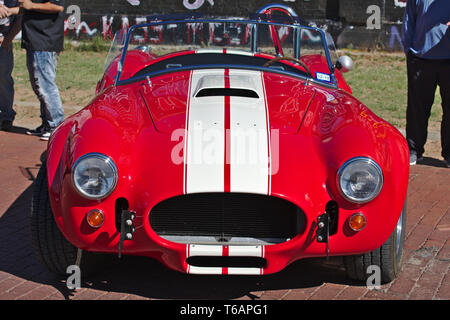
(432,162)
(18,130)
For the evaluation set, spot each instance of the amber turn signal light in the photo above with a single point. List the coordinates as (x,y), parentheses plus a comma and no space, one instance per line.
(95,218)
(357,222)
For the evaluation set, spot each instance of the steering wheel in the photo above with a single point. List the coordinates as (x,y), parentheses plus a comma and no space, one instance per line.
(270,62)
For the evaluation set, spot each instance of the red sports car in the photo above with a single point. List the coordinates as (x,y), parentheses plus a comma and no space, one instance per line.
(224,147)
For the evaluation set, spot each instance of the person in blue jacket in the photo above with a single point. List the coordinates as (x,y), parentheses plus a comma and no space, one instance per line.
(426,41)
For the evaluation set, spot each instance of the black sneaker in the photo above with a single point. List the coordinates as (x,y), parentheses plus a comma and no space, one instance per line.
(6,125)
(447,162)
(36,132)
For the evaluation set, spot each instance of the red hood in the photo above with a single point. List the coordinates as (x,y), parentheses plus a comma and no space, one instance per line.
(166,98)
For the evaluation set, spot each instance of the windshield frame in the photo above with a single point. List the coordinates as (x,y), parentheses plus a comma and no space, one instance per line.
(253,49)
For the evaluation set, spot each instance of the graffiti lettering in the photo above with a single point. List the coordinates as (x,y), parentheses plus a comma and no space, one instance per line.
(134,2)
(107,32)
(400,3)
(82,27)
(78,25)
(196,4)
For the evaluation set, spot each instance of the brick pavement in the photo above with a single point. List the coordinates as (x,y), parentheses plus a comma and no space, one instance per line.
(425,273)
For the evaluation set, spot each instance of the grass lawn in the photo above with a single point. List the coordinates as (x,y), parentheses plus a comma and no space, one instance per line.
(378,80)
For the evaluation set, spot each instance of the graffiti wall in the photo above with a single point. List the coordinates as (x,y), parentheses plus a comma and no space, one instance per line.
(352,23)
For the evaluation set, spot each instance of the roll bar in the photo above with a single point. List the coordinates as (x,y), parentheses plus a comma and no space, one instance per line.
(267,10)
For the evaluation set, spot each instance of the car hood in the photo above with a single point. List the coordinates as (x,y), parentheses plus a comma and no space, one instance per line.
(208,97)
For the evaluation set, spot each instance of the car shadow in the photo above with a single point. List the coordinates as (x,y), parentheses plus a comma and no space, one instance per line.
(147,277)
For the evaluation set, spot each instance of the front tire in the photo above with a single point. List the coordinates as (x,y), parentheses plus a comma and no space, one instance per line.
(388,257)
(50,245)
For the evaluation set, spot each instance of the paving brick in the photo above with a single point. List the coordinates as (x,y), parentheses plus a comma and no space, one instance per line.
(274,294)
(56,296)
(352,293)
(422,256)
(444,289)
(437,266)
(10,283)
(135,297)
(23,289)
(422,293)
(444,253)
(328,291)
(382,295)
(418,236)
(4,275)
(7,296)
(112,296)
(88,294)
(39,293)
(406,280)
(297,295)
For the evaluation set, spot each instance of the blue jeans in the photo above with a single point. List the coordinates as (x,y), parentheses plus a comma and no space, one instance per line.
(6,85)
(42,69)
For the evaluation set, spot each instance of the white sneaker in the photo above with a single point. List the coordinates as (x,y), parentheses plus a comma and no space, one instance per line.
(46,135)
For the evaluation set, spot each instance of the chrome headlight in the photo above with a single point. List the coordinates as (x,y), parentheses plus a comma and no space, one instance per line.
(94,176)
(360,180)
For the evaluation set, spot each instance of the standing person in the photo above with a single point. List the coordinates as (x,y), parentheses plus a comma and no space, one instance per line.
(426,40)
(43,39)
(8,10)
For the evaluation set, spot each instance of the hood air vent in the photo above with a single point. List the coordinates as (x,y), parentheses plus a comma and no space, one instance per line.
(232,92)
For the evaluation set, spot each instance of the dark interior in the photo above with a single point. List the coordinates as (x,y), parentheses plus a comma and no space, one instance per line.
(202,59)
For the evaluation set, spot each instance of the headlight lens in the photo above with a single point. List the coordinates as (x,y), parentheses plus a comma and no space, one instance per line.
(360,179)
(94,176)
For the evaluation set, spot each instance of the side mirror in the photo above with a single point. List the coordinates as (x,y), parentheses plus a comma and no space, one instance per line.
(344,64)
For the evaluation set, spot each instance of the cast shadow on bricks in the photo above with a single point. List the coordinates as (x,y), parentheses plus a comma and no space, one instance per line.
(432,162)
(147,277)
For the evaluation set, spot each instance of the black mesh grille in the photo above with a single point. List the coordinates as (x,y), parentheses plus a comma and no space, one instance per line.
(227,215)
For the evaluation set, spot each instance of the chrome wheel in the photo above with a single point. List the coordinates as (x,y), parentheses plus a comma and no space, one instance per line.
(398,235)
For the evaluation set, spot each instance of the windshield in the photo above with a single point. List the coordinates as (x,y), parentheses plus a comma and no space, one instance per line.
(116,48)
(162,47)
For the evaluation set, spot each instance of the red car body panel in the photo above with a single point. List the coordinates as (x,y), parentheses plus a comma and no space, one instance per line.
(319,128)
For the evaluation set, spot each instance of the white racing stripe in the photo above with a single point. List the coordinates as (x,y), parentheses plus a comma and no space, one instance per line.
(220,271)
(204,250)
(205,137)
(246,251)
(226,251)
(239,161)
(249,136)
(195,250)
